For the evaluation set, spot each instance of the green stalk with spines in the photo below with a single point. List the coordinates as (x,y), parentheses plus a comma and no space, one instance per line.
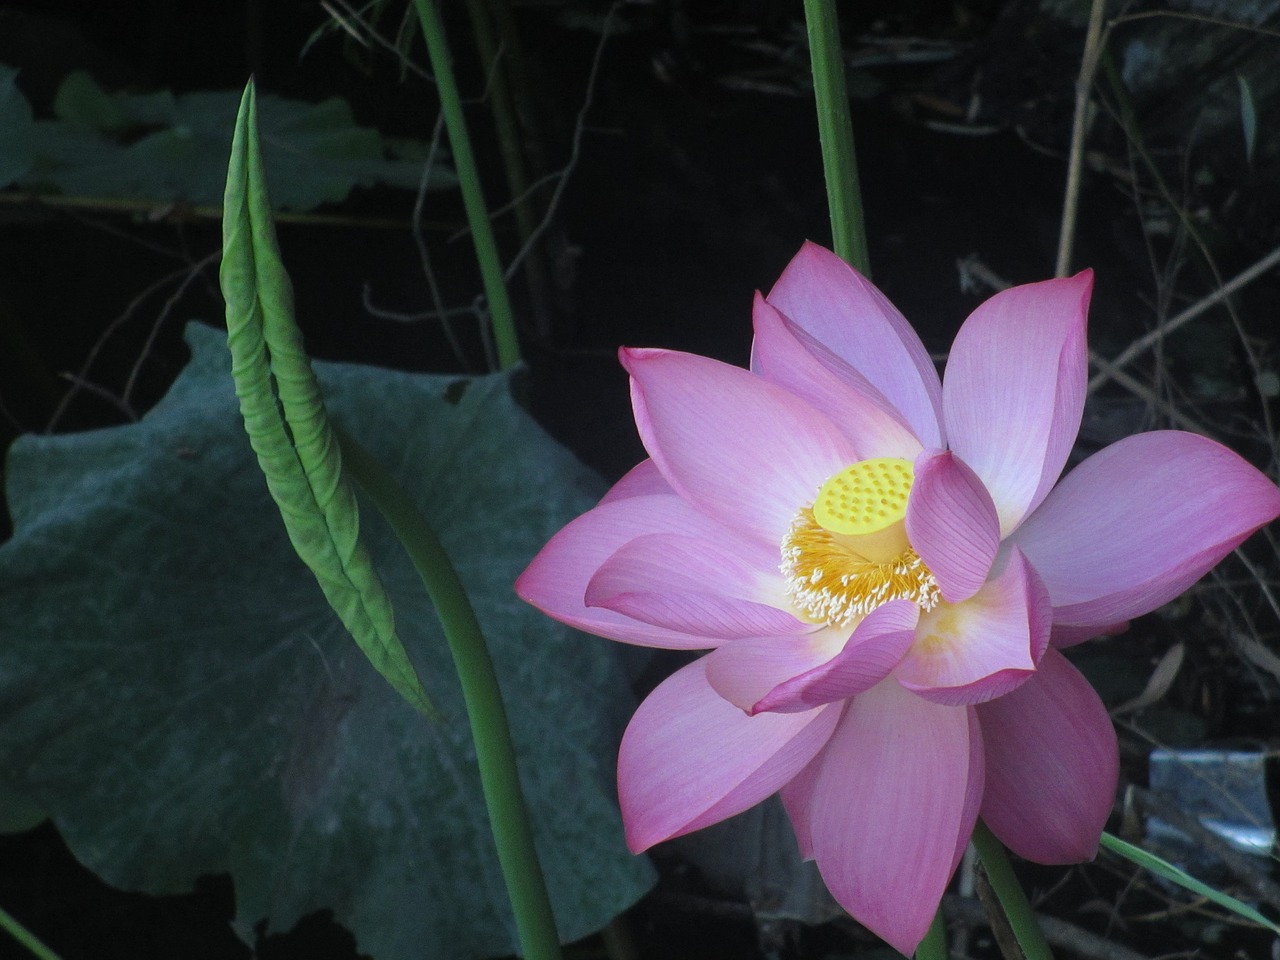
(835,133)
(495,754)
(464,163)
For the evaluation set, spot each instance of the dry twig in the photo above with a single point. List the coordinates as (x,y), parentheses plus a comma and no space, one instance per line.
(1061,934)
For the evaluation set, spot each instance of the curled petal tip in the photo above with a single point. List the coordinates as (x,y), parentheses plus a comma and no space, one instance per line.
(630,357)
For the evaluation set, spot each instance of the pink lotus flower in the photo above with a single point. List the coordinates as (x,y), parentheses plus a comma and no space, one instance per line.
(885,573)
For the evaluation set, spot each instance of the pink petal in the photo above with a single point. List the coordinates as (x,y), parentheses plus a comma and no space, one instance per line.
(797,800)
(721,588)
(799,673)
(784,354)
(718,618)
(892,807)
(695,586)
(1067,635)
(1013,393)
(841,309)
(737,447)
(876,647)
(1139,522)
(556,580)
(1052,765)
(723,563)
(952,523)
(743,672)
(641,480)
(689,758)
(973,651)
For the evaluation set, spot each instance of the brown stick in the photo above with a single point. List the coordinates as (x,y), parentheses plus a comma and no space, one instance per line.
(1144,343)
(1059,933)
(1084,84)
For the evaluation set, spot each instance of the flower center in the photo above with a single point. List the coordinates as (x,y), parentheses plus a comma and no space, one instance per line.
(848,553)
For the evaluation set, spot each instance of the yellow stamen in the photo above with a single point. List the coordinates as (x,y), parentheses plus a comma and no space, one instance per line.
(849,553)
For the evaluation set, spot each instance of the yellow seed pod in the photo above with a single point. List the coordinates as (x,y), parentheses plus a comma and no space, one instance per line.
(866,497)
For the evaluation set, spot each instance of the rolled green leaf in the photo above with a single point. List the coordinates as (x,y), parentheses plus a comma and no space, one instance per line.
(285,417)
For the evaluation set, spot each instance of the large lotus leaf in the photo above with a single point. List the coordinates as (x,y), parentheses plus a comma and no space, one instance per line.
(15,129)
(163,148)
(175,692)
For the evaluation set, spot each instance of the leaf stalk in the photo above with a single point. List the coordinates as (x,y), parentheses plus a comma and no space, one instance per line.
(495,286)
(495,754)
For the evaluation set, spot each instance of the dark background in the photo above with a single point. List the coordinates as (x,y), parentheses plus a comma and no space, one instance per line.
(696,176)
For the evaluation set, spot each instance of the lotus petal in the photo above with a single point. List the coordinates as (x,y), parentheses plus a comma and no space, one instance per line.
(1014,390)
(690,758)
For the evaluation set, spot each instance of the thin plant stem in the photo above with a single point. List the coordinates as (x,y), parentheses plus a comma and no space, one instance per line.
(494,60)
(1134,135)
(1147,341)
(934,944)
(561,177)
(25,937)
(495,286)
(1084,84)
(186,273)
(424,252)
(1013,899)
(835,133)
(495,755)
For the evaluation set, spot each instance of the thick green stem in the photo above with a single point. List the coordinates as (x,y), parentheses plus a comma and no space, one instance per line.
(1013,900)
(835,133)
(934,944)
(495,755)
(25,937)
(495,286)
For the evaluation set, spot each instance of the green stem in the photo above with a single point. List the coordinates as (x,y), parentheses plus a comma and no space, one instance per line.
(934,944)
(495,287)
(498,62)
(25,937)
(1011,895)
(494,61)
(835,133)
(495,756)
